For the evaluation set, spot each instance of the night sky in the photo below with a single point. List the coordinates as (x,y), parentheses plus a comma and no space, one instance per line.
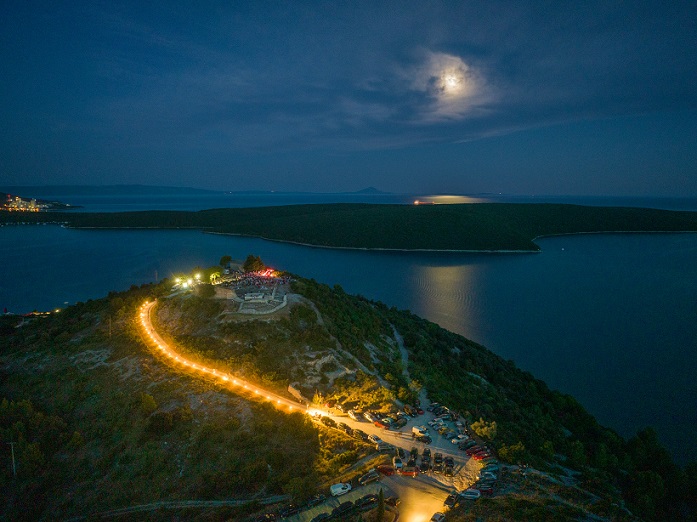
(582,98)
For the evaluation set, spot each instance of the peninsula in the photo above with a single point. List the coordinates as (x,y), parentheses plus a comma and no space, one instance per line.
(495,227)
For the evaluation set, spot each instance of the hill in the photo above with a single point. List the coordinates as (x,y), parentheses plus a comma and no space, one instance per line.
(101,422)
(474,227)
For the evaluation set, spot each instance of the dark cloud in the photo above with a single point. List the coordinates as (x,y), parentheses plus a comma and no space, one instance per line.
(232,82)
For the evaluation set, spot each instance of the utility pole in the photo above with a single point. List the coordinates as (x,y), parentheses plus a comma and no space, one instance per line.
(14,468)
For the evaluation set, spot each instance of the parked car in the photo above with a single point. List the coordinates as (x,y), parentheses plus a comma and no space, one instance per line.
(360,434)
(328,421)
(481,456)
(342,509)
(474,449)
(467,444)
(342,426)
(470,494)
(411,463)
(369,477)
(438,517)
(425,466)
(366,501)
(450,501)
(339,489)
(316,500)
(409,471)
(449,461)
(401,453)
(425,439)
(392,501)
(427,452)
(386,469)
(369,416)
(384,447)
(354,415)
(449,471)
(397,463)
(321,517)
(438,458)
(438,468)
(266,517)
(459,438)
(289,510)
(488,475)
(374,438)
(432,406)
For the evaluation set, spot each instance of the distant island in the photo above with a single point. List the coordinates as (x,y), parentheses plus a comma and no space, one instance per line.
(490,227)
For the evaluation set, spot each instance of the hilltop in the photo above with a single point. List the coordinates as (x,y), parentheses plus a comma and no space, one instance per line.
(102,422)
(469,227)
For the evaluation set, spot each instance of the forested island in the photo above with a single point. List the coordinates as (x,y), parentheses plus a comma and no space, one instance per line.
(464,227)
(101,423)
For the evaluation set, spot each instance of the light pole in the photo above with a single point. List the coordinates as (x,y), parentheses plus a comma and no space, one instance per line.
(14,468)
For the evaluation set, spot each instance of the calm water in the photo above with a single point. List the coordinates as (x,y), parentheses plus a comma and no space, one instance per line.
(611,319)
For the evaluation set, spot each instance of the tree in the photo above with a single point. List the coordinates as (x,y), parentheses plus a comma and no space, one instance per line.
(514,453)
(225,260)
(206,291)
(577,454)
(147,403)
(484,429)
(380,515)
(253,264)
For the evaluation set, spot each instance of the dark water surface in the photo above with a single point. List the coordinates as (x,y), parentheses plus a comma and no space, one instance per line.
(611,318)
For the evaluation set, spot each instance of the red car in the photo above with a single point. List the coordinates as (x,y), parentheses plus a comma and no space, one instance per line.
(408,471)
(474,449)
(385,469)
(481,456)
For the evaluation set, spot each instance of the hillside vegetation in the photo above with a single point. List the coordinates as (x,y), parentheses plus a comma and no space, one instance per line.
(101,423)
(486,226)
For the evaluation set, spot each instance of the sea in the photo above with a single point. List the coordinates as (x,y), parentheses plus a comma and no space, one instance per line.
(608,318)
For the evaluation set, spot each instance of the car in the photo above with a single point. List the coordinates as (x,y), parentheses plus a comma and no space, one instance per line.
(411,463)
(392,501)
(321,517)
(342,509)
(450,501)
(470,494)
(328,421)
(316,500)
(366,501)
(438,458)
(409,471)
(425,439)
(384,447)
(385,469)
(490,467)
(427,452)
(438,468)
(339,489)
(369,477)
(438,517)
(474,449)
(401,453)
(419,411)
(488,475)
(342,426)
(289,510)
(425,466)
(381,425)
(449,434)
(485,490)
(459,438)
(369,416)
(354,415)
(397,463)
(266,517)
(360,434)
(432,406)
(480,456)
(435,422)
(374,438)
(467,444)
(449,461)
(449,471)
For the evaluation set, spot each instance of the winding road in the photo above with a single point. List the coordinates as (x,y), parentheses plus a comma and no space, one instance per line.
(227,380)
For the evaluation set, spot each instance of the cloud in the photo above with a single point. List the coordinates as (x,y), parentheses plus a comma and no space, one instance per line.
(451,89)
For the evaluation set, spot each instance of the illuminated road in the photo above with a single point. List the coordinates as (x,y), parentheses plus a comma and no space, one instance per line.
(421,498)
(227,380)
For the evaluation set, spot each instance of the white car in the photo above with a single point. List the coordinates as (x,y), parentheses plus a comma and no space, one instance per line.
(471,494)
(374,439)
(340,489)
(459,438)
